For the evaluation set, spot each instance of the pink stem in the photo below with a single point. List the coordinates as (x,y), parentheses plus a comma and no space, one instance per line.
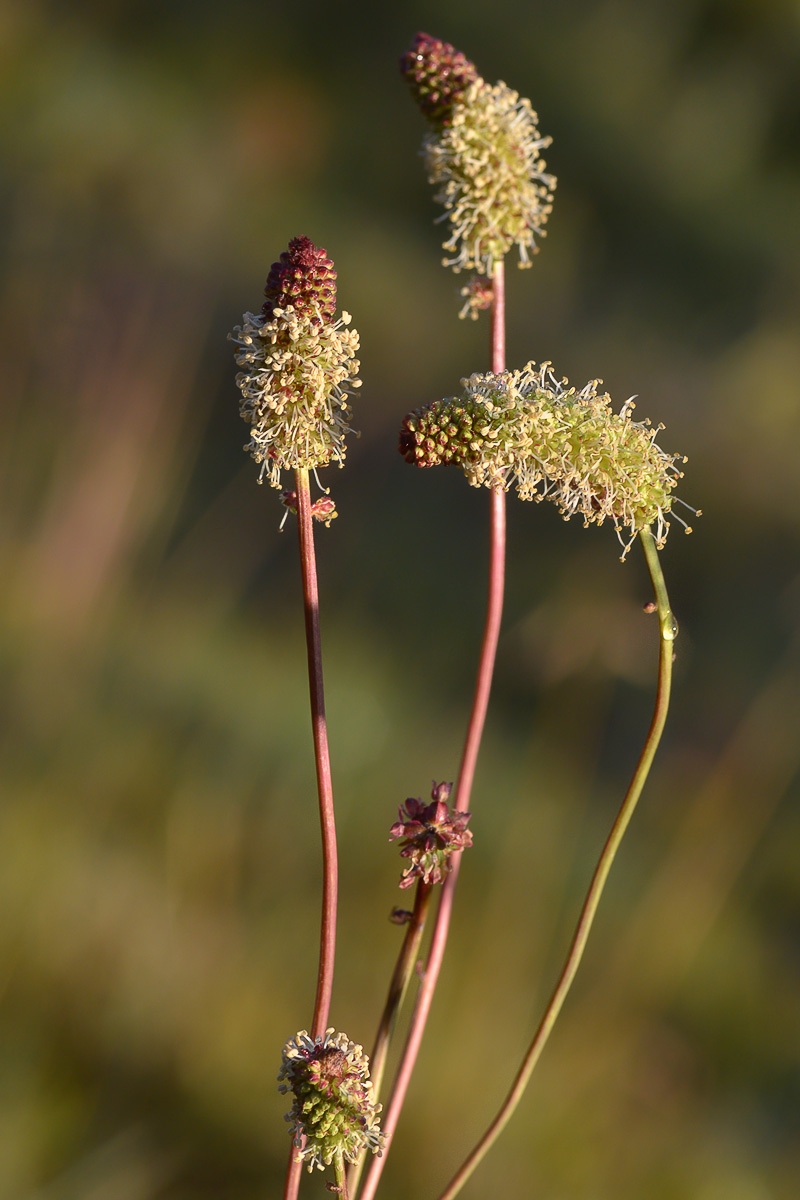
(330,878)
(491,633)
(499,320)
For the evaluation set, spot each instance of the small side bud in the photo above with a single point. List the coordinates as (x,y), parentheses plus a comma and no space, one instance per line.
(323,510)
(478,295)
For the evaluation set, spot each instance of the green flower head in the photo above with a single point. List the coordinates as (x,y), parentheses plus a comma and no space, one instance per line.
(529,428)
(333,1116)
(297,366)
(483,156)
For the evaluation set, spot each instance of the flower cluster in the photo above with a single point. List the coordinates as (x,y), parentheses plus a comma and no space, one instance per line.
(304,277)
(553,441)
(438,76)
(298,366)
(333,1107)
(431,833)
(483,157)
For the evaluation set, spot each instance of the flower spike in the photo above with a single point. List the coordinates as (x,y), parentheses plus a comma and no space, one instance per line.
(483,157)
(298,366)
(529,428)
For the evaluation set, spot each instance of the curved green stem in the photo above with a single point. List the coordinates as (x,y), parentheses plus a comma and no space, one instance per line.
(403,971)
(398,986)
(668,631)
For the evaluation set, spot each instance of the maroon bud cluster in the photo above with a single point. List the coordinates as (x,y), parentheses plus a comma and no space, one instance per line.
(305,278)
(438,76)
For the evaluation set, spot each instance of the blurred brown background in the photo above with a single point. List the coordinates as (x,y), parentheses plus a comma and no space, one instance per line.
(158,840)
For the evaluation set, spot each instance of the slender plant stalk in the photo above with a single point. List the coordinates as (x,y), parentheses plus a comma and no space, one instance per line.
(330,878)
(341,1177)
(668,631)
(491,633)
(499,319)
(398,987)
(322,759)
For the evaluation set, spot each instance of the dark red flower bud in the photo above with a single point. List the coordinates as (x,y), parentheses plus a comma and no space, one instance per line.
(305,278)
(438,76)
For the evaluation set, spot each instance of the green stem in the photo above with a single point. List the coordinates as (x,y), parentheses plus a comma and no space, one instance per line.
(668,631)
(403,971)
(398,987)
(341,1177)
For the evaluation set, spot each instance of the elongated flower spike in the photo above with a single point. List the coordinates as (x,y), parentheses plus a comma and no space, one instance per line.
(333,1116)
(529,428)
(430,833)
(483,157)
(298,366)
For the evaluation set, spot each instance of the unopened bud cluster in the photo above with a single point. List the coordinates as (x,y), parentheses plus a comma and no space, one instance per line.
(298,366)
(438,76)
(333,1116)
(431,833)
(483,157)
(529,428)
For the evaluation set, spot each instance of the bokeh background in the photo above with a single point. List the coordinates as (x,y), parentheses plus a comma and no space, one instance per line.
(159,863)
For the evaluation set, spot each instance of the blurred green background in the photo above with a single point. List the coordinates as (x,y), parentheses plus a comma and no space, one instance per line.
(159,863)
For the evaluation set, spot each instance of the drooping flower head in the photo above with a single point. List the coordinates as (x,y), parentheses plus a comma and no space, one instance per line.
(430,833)
(530,428)
(298,366)
(483,156)
(333,1107)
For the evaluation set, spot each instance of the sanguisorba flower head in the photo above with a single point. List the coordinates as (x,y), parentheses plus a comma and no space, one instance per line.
(297,366)
(483,156)
(431,833)
(333,1107)
(530,428)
